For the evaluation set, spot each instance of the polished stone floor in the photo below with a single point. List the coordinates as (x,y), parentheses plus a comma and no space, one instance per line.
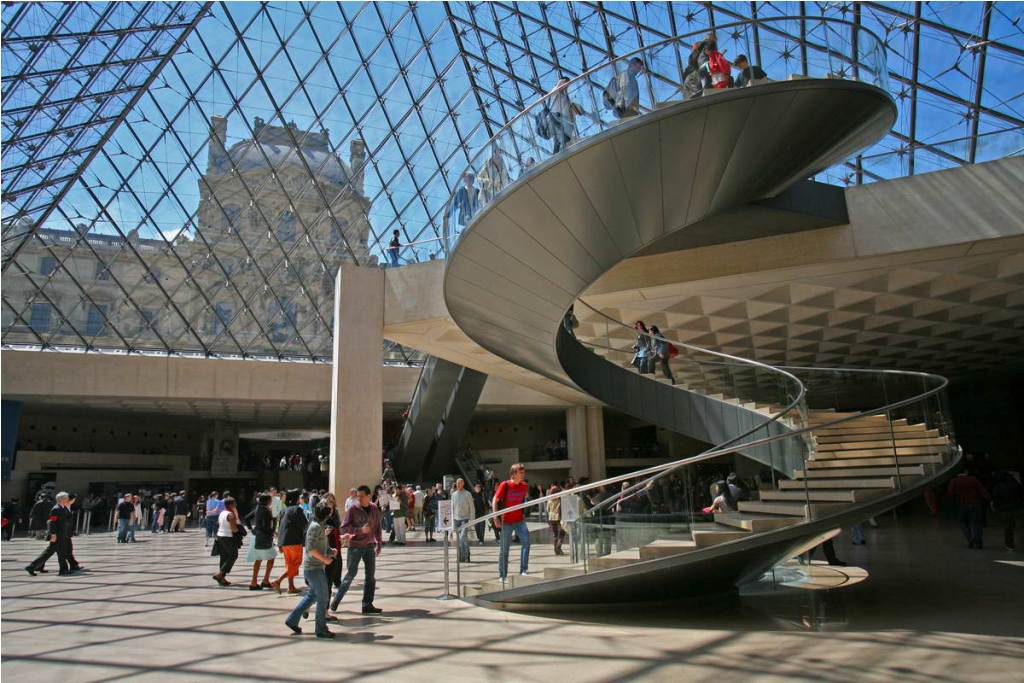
(929,610)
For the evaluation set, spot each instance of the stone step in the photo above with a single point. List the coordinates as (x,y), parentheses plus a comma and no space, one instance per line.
(754,522)
(773,508)
(900,451)
(496,585)
(666,547)
(846,428)
(705,535)
(839,472)
(909,432)
(827,447)
(621,558)
(837,483)
(826,496)
(875,462)
(563,572)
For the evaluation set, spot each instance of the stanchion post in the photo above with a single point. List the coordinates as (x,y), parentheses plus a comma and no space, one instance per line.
(447,592)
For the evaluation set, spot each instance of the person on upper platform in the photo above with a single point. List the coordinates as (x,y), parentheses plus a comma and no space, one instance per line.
(748,72)
(622,94)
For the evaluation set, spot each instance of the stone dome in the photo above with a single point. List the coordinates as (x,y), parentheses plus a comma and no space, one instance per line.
(249,155)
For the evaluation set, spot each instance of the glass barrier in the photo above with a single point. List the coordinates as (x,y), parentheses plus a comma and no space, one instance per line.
(668,72)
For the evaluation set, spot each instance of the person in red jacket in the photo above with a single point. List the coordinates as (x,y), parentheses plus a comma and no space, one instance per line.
(971,496)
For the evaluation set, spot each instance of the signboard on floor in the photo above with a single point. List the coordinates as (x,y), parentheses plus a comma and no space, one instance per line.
(445,521)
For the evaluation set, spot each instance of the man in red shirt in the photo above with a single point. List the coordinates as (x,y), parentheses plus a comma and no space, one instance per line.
(510,493)
(971,496)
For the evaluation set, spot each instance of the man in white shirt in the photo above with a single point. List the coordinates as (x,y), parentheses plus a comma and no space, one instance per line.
(276,505)
(352,500)
(417,515)
(462,512)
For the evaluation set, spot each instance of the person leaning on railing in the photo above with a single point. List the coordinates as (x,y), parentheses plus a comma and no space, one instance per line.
(748,72)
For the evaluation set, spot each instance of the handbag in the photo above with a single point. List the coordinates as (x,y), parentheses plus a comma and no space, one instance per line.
(542,121)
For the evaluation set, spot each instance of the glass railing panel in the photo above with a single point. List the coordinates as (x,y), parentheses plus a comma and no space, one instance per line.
(643,81)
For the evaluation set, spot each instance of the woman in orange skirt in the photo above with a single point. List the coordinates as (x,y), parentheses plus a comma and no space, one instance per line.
(291,539)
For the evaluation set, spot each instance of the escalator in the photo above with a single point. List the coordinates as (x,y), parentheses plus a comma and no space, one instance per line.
(442,406)
(841,444)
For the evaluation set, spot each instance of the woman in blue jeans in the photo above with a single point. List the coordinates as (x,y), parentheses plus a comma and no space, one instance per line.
(318,557)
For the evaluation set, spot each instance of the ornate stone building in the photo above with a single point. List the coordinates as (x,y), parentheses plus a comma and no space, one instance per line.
(253,273)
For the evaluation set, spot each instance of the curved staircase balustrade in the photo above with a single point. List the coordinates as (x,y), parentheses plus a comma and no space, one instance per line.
(523,250)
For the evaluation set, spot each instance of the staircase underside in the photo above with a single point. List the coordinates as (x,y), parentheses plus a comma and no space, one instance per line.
(529,255)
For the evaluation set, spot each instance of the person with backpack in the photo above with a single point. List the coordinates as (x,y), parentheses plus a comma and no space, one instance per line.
(664,351)
(510,493)
(717,72)
(561,115)
(693,84)
(261,521)
(642,359)
(291,537)
(319,556)
(622,94)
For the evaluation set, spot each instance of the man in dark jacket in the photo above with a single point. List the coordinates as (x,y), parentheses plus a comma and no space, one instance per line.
(58,535)
(748,72)
(971,496)
(125,512)
(182,508)
(479,509)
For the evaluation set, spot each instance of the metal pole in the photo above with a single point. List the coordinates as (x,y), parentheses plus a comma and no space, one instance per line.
(447,592)
(458,562)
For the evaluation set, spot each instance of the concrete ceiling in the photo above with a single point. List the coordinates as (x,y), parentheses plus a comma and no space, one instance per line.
(927,310)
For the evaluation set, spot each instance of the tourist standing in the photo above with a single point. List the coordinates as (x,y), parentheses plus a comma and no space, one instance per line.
(136,518)
(318,557)
(479,510)
(291,537)
(125,511)
(226,544)
(417,510)
(399,503)
(277,507)
(362,524)
(430,512)
(214,506)
(555,519)
(352,500)
(181,512)
(510,493)
(462,512)
(262,548)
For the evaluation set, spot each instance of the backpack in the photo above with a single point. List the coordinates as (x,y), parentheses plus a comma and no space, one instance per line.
(542,121)
(718,67)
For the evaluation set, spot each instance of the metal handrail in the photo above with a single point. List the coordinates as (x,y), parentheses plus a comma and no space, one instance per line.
(589,72)
(635,488)
(708,455)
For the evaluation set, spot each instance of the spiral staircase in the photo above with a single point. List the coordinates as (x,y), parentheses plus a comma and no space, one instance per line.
(842,444)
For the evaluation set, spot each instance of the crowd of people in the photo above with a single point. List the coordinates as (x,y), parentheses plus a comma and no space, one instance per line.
(309,529)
